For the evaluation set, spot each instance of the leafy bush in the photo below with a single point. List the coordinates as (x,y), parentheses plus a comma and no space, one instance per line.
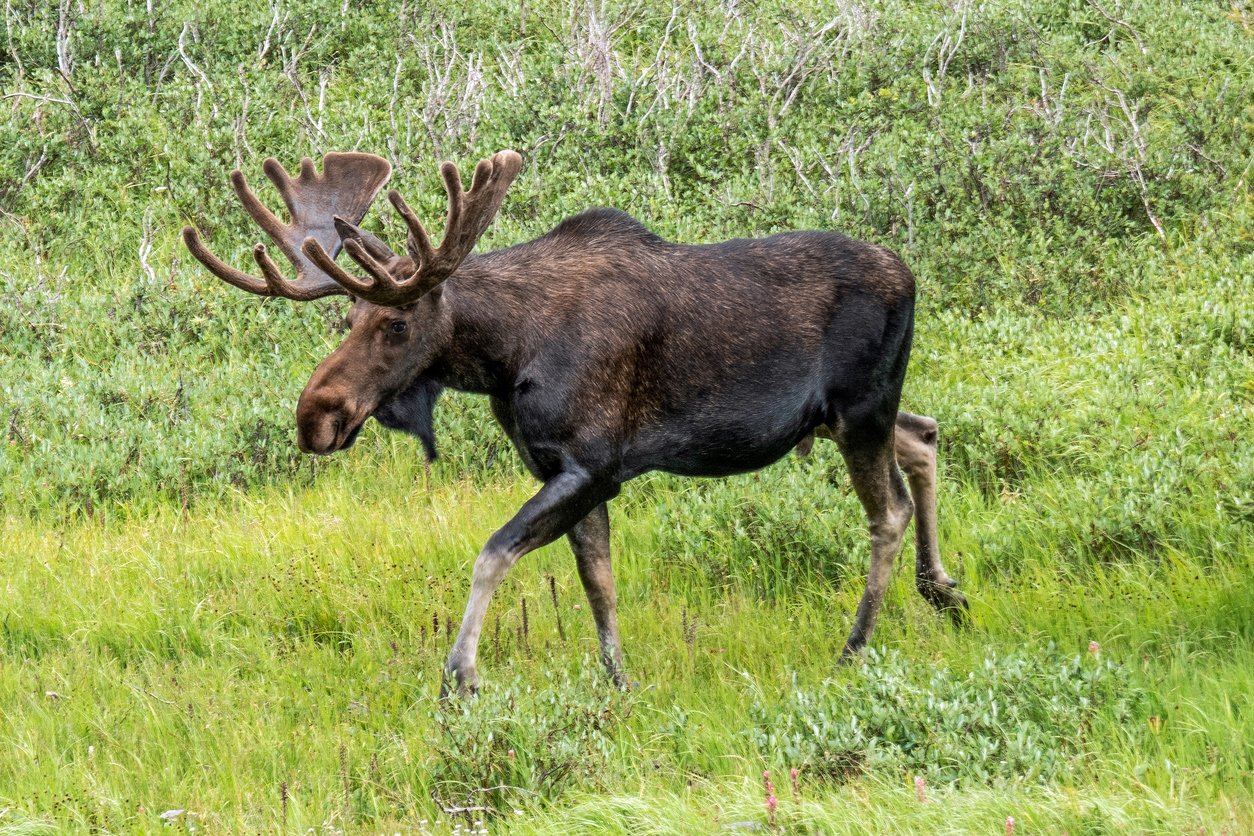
(1016,718)
(515,743)
(1050,164)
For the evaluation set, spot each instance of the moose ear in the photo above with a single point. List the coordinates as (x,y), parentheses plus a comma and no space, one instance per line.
(413,412)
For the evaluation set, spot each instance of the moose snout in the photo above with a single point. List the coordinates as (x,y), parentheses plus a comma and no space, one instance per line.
(324,425)
(317,432)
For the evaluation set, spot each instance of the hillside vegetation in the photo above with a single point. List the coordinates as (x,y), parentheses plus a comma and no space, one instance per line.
(195,619)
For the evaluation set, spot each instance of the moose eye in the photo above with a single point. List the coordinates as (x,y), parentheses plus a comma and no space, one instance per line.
(399,326)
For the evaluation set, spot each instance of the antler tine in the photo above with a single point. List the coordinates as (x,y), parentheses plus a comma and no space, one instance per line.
(484,170)
(487,191)
(270,270)
(456,199)
(469,214)
(418,242)
(383,289)
(215,265)
(277,285)
(362,256)
(263,217)
(319,256)
(282,181)
(347,186)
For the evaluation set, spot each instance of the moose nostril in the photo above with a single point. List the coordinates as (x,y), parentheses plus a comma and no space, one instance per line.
(318,430)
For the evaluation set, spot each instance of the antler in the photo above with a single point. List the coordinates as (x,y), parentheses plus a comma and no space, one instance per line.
(469,214)
(347,186)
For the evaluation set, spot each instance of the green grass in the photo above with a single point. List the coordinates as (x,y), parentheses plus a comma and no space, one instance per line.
(195,617)
(202,662)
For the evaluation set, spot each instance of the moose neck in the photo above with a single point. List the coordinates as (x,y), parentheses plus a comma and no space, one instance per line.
(485,314)
(499,309)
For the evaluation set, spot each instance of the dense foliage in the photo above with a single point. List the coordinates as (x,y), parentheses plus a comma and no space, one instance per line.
(1028,160)
(195,617)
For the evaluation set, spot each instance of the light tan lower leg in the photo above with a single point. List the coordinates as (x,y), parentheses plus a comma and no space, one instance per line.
(915,449)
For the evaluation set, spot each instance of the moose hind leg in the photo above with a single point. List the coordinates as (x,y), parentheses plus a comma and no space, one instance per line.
(915,449)
(878,484)
(563,501)
(590,541)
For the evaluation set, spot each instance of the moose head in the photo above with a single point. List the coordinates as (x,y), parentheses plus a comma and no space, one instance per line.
(395,322)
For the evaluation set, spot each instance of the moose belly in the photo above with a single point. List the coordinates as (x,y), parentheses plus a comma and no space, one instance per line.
(723,437)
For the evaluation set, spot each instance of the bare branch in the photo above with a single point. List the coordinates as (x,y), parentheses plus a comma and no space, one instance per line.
(394,151)
(1053,110)
(145,246)
(8,28)
(452,91)
(276,22)
(38,98)
(512,77)
(241,122)
(794,156)
(69,102)
(291,69)
(1124,141)
(65,31)
(197,73)
(942,50)
(1120,22)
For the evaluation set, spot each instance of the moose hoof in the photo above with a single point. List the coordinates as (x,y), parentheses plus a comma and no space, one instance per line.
(946,598)
(617,675)
(850,655)
(459,683)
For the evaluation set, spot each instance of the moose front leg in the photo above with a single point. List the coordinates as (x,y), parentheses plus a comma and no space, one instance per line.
(915,449)
(590,541)
(563,501)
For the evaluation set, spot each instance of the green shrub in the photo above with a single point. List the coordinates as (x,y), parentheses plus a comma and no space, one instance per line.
(1023,717)
(516,743)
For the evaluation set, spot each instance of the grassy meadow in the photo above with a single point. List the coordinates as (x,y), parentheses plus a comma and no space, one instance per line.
(203,630)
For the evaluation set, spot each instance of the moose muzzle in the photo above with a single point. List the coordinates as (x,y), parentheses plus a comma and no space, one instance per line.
(326,422)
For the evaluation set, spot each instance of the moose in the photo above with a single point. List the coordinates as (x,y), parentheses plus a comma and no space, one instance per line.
(606,352)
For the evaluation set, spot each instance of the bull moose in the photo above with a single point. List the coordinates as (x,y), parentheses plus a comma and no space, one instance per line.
(606,352)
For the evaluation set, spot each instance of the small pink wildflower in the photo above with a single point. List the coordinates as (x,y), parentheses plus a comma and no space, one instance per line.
(792,776)
(918,789)
(1010,824)
(771,801)
(1094,648)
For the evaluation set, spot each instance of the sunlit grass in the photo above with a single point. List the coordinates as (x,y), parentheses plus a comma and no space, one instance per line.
(286,643)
